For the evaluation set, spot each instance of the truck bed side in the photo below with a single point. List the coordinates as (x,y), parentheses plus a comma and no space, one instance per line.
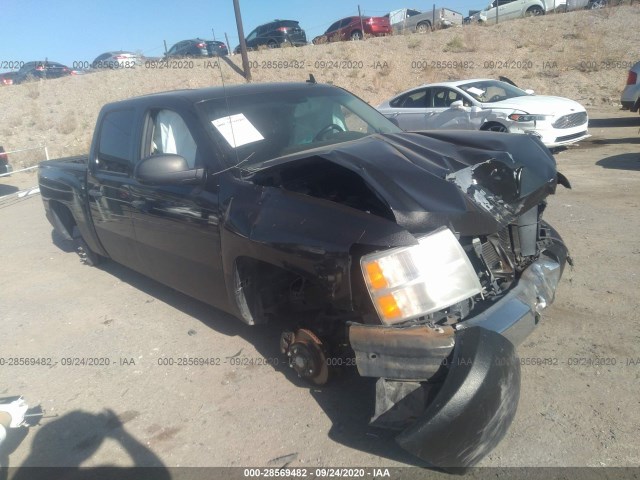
(63,189)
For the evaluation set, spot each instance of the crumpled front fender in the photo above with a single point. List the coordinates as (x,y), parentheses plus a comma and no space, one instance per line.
(475,405)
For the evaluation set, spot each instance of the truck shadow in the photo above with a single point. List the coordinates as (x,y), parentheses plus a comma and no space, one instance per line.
(348,400)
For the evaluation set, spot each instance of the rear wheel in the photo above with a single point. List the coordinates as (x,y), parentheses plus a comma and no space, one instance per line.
(494,127)
(87,256)
(272,44)
(356,35)
(534,11)
(423,27)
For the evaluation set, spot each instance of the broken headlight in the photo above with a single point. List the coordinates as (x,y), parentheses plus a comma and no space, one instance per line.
(409,282)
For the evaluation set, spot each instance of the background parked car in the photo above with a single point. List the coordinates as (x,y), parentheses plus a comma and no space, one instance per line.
(41,70)
(119,59)
(351,28)
(511,9)
(409,20)
(216,48)
(7,78)
(275,34)
(630,98)
(197,47)
(4,161)
(492,105)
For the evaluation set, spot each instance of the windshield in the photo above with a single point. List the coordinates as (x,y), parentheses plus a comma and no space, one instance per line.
(258,127)
(490,91)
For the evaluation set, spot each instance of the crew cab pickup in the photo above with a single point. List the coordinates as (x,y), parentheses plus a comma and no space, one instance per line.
(421,258)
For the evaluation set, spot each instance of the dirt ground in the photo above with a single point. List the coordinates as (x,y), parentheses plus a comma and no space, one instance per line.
(581,410)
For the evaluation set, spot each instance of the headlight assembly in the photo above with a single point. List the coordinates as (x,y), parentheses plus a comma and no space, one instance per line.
(519,117)
(409,282)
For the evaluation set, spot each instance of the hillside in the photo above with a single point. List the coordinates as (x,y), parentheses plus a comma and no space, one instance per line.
(582,55)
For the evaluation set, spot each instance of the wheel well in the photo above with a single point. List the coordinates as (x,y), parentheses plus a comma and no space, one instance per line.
(535,7)
(424,22)
(62,219)
(265,291)
(488,125)
(357,30)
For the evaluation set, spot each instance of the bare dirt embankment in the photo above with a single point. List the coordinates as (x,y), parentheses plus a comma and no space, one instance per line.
(582,55)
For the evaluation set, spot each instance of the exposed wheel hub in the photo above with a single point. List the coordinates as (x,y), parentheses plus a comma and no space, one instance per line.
(306,355)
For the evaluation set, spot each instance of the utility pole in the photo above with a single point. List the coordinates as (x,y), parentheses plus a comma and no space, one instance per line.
(497,8)
(243,44)
(361,23)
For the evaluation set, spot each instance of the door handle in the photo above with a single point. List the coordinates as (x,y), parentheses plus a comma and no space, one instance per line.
(95,193)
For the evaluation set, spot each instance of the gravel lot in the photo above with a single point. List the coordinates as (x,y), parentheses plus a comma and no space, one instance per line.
(52,306)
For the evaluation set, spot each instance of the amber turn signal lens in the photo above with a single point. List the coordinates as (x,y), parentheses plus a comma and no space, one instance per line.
(376,277)
(388,307)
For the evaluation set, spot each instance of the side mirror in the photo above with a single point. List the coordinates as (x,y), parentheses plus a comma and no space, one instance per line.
(167,169)
(529,92)
(456,104)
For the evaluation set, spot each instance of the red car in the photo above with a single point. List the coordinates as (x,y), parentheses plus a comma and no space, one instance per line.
(7,78)
(351,28)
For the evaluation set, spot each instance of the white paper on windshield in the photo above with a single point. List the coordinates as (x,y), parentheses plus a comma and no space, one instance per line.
(237,130)
(475,91)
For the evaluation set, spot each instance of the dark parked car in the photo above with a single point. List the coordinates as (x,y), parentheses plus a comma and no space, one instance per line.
(4,161)
(351,28)
(7,78)
(189,48)
(41,70)
(216,48)
(275,34)
(420,259)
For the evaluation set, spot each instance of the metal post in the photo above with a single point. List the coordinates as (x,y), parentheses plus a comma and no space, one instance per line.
(433,17)
(497,8)
(243,43)
(165,47)
(361,22)
(214,34)
(46,152)
(228,44)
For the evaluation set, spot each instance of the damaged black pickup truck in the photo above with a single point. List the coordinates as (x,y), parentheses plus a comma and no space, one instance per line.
(423,256)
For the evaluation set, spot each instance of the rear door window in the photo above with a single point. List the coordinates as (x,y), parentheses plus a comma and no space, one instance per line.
(115,149)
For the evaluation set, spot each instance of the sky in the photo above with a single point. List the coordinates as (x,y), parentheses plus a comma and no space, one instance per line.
(69,31)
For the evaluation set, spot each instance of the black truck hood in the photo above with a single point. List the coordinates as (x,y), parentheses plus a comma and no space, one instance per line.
(474,182)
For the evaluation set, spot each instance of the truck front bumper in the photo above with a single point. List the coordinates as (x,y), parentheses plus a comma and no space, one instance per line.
(478,398)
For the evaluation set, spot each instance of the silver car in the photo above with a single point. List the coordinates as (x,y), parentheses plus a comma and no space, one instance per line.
(630,98)
(486,104)
(119,59)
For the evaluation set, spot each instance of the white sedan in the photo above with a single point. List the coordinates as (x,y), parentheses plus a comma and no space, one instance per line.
(485,104)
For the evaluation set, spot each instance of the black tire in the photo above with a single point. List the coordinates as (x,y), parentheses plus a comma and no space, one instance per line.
(597,4)
(494,127)
(87,256)
(272,44)
(534,11)
(356,35)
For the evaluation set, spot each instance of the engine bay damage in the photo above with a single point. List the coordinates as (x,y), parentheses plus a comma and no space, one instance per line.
(422,257)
